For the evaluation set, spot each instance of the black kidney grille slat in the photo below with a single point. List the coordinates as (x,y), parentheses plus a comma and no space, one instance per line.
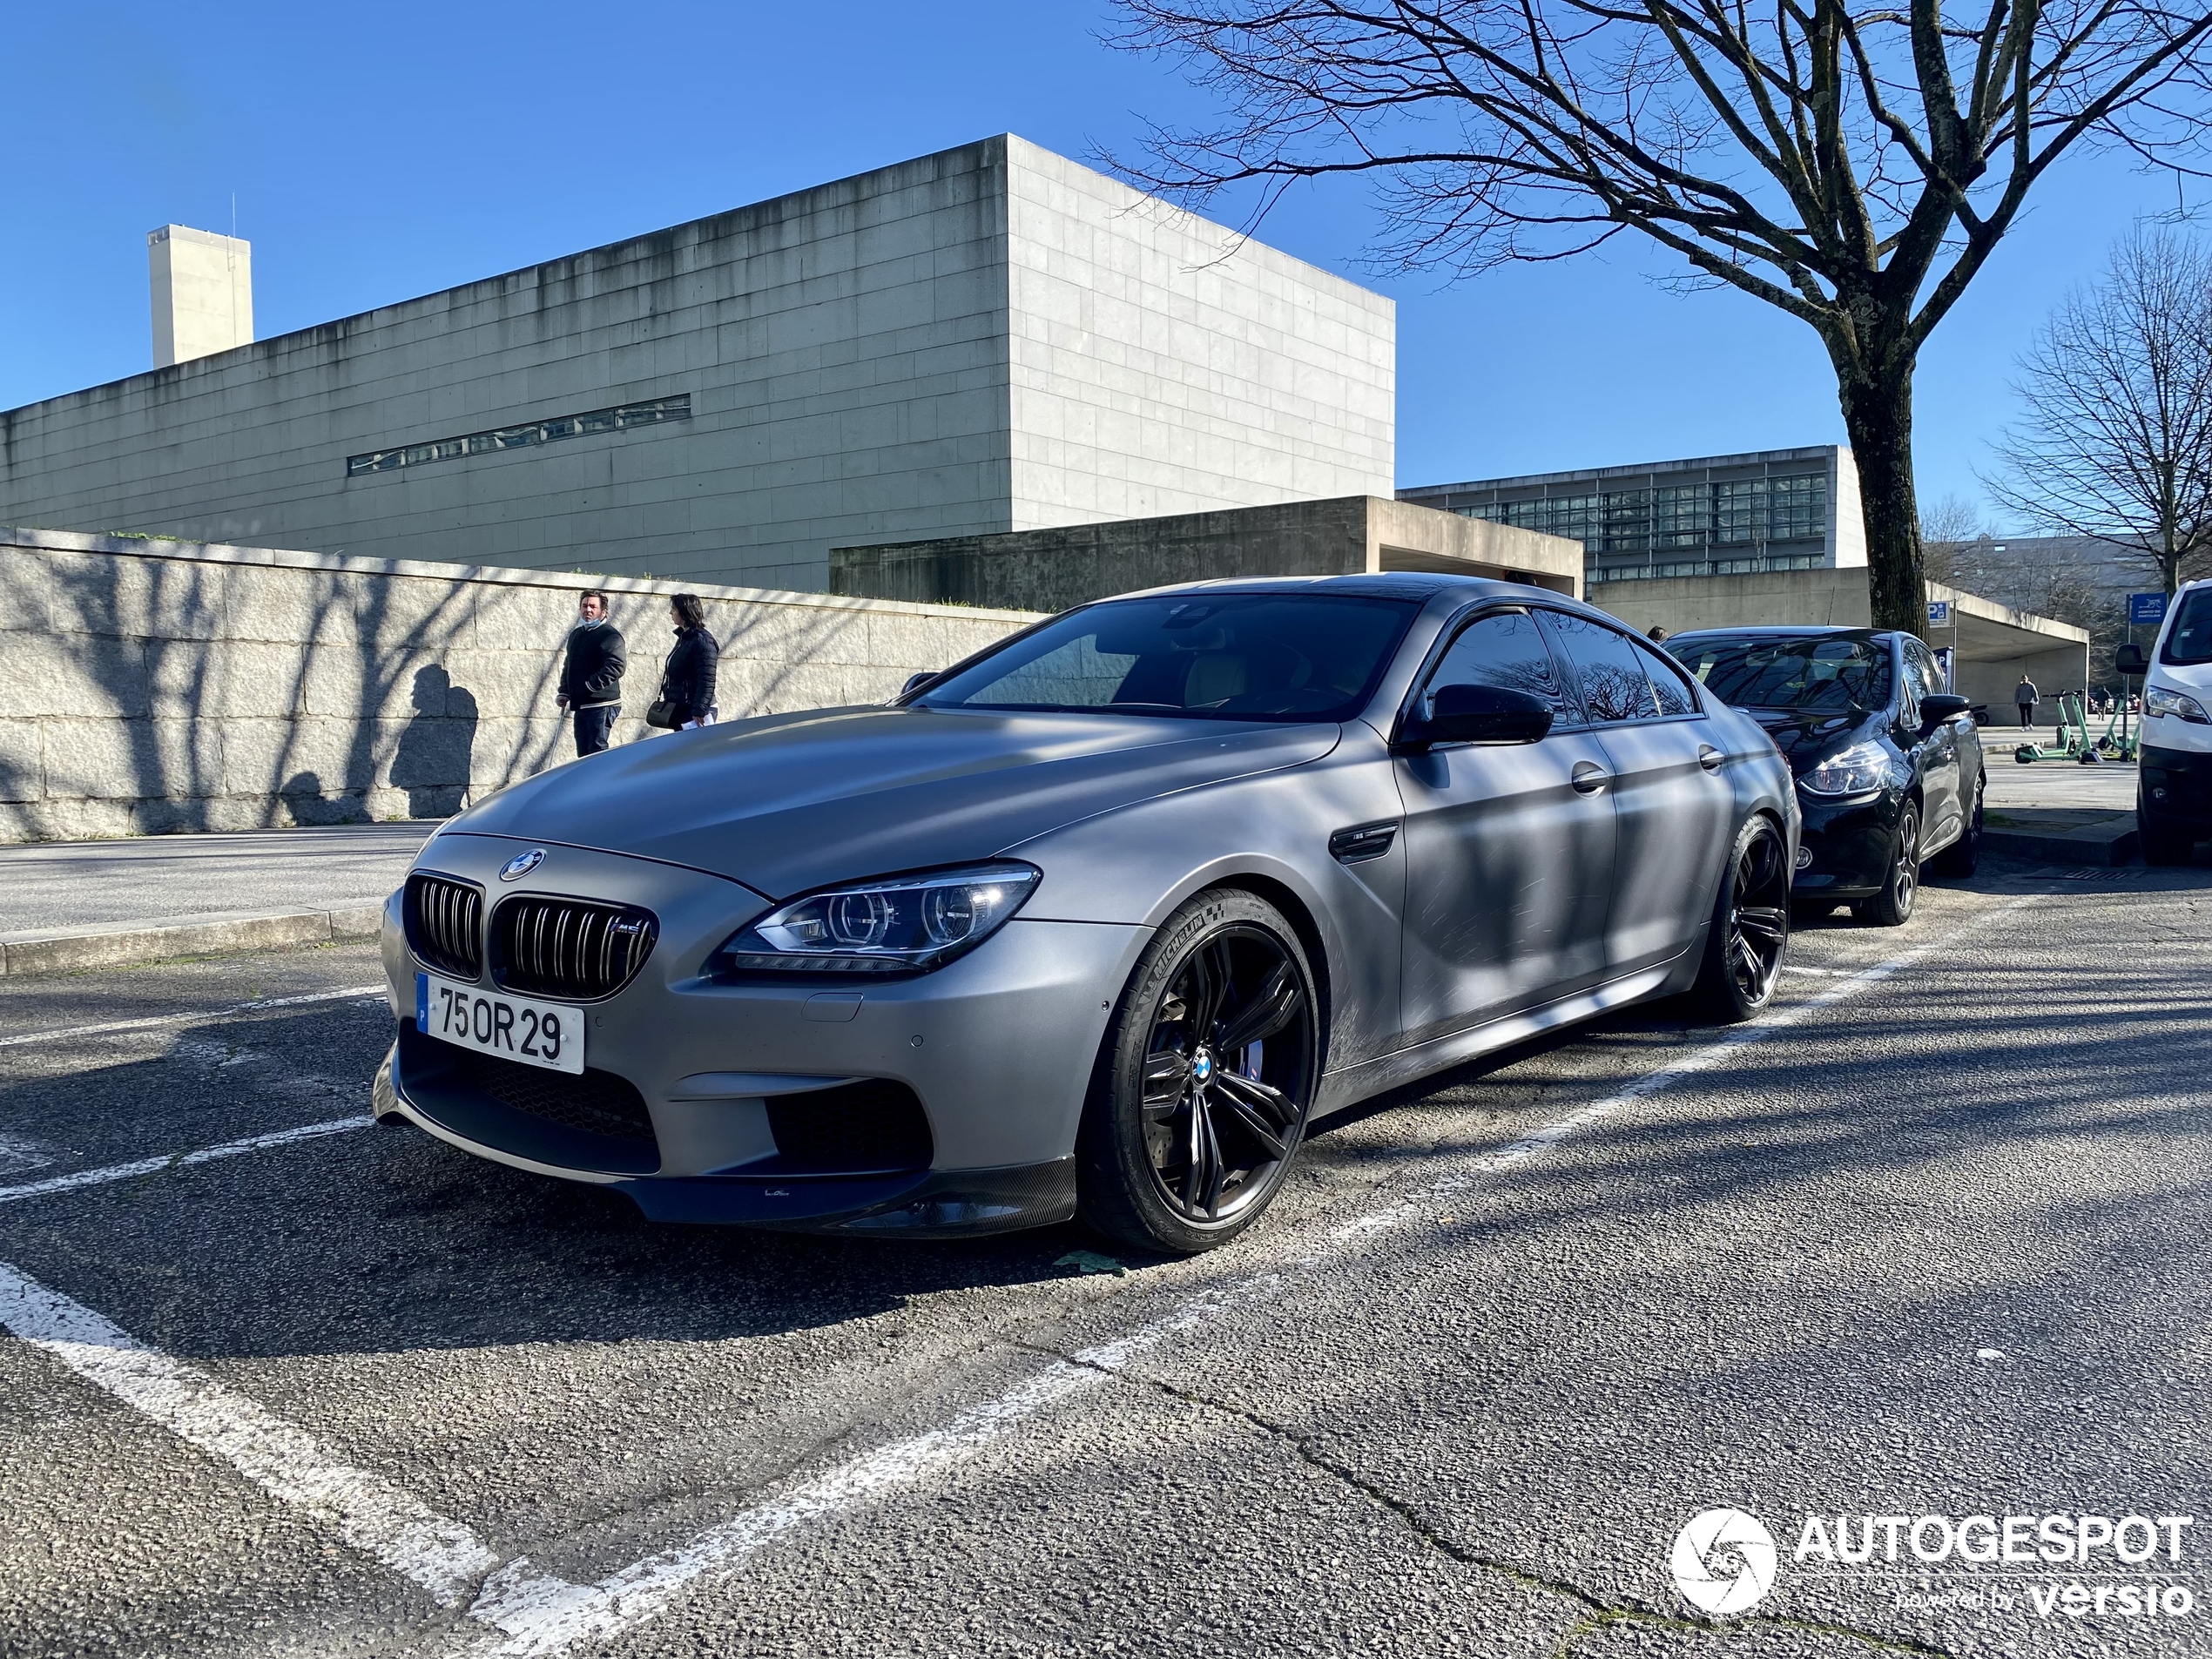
(569,948)
(443,919)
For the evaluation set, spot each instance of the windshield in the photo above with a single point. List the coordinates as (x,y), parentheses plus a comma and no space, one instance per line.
(1820,673)
(2189,640)
(1222,657)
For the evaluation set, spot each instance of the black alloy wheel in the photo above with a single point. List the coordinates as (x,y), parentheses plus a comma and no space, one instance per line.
(1963,857)
(1202,1095)
(1892,906)
(1750,927)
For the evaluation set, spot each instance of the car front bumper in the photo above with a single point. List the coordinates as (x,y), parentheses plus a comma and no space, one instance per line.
(2178,785)
(1846,845)
(998,1047)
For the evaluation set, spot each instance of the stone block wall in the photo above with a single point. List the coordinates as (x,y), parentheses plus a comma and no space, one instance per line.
(148,686)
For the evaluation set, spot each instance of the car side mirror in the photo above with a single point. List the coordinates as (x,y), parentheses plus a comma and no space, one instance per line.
(915,680)
(2128,660)
(1476,714)
(1939,706)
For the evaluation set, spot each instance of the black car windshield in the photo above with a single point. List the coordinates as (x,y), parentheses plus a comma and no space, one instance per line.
(2189,640)
(1219,656)
(1819,672)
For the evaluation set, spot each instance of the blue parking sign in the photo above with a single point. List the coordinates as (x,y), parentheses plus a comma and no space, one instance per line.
(1938,613)
(2146,609)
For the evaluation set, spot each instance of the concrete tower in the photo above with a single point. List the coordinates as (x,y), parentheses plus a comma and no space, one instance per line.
(203,292)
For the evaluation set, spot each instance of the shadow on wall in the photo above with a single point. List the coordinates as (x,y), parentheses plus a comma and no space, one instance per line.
(439,746)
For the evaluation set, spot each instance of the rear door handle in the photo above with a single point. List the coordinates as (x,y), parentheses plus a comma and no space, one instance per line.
(1709,758)
(1588,777)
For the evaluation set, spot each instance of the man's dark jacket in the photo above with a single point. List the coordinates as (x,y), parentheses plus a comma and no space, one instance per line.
(688,681)
(594,670)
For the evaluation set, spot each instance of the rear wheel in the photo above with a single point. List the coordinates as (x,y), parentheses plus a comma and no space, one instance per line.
(1750,930)
(1202,1090)
(1963,857)
(1892,906)
(2164,842)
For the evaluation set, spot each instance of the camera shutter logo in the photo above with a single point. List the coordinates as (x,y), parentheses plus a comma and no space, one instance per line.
(522,864)
(1724,1562)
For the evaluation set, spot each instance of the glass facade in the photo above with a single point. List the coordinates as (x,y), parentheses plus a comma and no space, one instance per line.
(1667,527)
(620,418)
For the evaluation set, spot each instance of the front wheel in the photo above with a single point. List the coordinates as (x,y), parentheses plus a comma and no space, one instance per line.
(2163,843)
(1750,928)
(1892,906)
(1202,1088)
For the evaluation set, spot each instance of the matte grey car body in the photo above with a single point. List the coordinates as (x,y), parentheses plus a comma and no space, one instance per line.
(1451,900)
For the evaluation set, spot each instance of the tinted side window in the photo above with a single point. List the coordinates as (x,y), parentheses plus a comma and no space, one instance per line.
(1919,679)
(2189,640)
(1607,670)
(1666,682)
(1506,649)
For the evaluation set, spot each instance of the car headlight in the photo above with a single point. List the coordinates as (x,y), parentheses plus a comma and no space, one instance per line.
(2159,700)
(902,925)
(1854,771)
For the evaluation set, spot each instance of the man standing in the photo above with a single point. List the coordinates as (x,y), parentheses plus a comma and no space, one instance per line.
(591,677)
(2027,696)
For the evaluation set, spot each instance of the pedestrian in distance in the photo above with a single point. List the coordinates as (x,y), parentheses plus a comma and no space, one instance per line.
(1656,634)
(2027,696)
(591,674)
(686,698)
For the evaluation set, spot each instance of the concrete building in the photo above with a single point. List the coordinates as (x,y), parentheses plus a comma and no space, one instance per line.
(1992,644)
(991,339)
(202,288)
(1053,569)
(1778,510)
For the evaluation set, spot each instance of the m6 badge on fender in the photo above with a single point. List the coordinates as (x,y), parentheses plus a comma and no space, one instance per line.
(536,1034)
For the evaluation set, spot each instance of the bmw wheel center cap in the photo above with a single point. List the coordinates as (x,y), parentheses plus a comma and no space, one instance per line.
(522,864)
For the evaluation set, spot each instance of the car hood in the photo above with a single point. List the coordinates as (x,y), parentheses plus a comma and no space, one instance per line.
(1807,736)
(791,802)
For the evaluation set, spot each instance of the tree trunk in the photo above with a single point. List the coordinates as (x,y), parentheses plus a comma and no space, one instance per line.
(1877,417)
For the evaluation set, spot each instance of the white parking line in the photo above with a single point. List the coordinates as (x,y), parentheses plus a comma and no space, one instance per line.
(539,1615)
(154,1021)
(179,1160)
(369,1513)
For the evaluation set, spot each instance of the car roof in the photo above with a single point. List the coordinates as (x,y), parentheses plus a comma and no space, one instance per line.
(1380,585)
(1809,631)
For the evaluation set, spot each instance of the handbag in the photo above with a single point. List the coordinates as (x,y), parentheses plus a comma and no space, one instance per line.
(662,713)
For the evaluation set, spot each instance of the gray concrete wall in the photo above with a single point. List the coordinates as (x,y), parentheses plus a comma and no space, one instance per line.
(1051,570)
(154,686)
(982,340)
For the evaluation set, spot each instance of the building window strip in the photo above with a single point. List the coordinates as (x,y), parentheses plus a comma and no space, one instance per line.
(622,418)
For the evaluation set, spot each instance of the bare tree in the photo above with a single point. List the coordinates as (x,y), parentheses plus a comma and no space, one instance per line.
(1853,164)
(1948,525)
(2117,439)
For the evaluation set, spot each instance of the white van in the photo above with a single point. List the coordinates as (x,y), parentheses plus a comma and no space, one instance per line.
(2174,797)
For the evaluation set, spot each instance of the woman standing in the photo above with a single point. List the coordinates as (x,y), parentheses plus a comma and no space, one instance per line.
(687,681)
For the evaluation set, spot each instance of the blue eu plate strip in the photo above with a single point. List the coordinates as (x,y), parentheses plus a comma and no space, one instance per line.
(422,1003)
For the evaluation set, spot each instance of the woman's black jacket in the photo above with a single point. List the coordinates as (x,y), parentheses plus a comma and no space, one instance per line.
(687,682)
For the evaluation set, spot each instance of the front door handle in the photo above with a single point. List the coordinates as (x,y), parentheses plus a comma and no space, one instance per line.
(1709,758)
(1588,777)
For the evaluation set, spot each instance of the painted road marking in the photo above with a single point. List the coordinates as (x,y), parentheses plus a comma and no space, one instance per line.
(539,1615)
(180,1160)
(374,1516)
(155,1022)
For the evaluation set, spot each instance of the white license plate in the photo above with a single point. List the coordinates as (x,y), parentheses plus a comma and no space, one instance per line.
(538,1033)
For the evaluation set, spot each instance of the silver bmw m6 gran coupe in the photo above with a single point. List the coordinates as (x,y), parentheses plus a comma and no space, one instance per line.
(1095,923)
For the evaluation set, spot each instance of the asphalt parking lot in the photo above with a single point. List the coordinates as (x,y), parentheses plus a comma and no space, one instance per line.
(1928,1240)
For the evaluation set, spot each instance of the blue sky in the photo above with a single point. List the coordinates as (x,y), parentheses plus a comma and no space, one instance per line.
(376,153)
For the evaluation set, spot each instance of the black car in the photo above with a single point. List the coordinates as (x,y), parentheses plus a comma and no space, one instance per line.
(1888,767)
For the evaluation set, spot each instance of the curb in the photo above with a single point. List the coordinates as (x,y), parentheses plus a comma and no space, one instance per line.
(2106,841)
(122,944)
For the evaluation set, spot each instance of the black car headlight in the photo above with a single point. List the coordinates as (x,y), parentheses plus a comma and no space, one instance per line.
(903,924)
(1856,771)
